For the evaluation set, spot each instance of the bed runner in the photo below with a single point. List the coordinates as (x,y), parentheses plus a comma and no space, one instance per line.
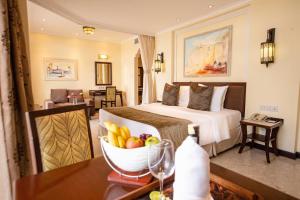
(171,128)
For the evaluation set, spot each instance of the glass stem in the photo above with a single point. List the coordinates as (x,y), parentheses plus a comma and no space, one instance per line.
(161,188)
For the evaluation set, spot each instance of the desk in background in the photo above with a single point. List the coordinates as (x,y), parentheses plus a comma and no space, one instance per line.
(99,93)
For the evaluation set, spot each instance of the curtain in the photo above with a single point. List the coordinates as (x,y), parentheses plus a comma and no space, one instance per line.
(15,97)
(147,47)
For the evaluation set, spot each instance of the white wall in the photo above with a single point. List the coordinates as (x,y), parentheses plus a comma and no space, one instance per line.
(85,51)
(277,85)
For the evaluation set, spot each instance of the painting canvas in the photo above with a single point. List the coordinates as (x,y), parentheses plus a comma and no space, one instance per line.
(60,69)
(208,54)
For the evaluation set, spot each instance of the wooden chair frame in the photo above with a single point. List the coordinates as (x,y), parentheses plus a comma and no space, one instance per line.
(105,102)
(32,115)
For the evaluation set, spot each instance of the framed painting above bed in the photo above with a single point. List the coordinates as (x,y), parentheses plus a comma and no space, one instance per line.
(208,54)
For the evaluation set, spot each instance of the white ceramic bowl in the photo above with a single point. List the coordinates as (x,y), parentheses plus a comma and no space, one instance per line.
(129,160)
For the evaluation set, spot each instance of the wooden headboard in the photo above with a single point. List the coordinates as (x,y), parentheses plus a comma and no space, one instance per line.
(235,97)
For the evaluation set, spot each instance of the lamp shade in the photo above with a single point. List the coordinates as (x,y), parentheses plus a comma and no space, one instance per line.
(157,66)
(158,62)
(267,50)
(103,56)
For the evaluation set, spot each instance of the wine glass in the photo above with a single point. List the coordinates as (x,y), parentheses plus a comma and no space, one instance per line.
(161,161)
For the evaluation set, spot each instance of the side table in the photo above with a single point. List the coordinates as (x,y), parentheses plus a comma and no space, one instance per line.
(270,135)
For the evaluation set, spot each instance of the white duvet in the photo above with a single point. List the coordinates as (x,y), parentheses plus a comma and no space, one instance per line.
(214,126)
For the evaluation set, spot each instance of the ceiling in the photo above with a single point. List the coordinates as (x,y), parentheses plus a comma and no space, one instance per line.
(127,16)
(44,21)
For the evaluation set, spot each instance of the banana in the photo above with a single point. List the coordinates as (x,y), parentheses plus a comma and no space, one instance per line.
(126,130)
(112,139)
(124,133)
(121,142)
(113,128)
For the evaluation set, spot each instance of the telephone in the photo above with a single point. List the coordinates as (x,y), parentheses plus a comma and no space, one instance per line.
(258,117)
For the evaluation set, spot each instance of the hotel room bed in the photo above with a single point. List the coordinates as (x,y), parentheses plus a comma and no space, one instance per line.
(215,127)
(219,131)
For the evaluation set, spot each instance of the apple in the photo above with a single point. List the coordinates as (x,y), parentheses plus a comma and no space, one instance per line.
(151,140)
(134,142)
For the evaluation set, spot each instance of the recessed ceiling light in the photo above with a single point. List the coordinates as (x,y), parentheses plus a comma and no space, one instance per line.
(210,6)
(43,19)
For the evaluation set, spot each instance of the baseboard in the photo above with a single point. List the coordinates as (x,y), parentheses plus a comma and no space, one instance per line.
(281,152)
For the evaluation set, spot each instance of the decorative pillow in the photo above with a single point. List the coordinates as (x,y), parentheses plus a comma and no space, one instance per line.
(59,95)
(200,97)
(170,95)
(218,98)
(184,95)
(77,93)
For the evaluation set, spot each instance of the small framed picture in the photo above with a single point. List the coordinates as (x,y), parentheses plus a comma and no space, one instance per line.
(57,69)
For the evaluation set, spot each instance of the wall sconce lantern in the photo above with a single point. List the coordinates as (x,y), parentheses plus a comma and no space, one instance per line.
(267,48)
(158,62)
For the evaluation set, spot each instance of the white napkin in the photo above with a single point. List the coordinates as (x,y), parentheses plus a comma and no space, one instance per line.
(191,172)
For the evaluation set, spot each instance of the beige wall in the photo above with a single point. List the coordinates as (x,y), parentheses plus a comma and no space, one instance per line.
(164,43)
(298,125)
(85,51)
(277,85)
(128,76)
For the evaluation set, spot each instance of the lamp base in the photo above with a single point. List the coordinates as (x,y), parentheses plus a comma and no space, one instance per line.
(117,178)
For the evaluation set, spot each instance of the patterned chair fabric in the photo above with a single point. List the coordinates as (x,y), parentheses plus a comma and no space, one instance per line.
(63,139)
(110,94)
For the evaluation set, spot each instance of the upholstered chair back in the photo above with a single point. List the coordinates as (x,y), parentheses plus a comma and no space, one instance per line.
(61,136)
(110,93)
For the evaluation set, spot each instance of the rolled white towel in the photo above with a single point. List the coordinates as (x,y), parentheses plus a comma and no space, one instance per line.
(191,172)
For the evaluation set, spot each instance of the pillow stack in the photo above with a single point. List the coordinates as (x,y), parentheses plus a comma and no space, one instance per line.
(196,96)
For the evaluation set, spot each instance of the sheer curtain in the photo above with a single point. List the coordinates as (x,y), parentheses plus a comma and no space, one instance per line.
(15,96)
(147,47)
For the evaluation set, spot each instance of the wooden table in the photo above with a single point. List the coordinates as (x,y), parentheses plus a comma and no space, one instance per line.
(87,181)
(270,135)
(84,180)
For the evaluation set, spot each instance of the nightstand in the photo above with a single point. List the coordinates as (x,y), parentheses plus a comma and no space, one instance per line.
(270,135)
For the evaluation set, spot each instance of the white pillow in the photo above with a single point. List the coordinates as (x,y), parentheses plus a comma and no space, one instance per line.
(184,96)
(218,98)
(199,84)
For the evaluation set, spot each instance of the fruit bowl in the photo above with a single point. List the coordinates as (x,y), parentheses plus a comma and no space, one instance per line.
(129,160)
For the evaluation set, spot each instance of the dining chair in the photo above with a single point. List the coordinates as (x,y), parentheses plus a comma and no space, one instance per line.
(110,97)
(59,137)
